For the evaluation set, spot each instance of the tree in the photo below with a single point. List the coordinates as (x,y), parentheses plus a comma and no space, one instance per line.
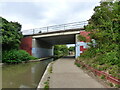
(104,26)
(11,38)
(60,50)
(72,48)
(11,34)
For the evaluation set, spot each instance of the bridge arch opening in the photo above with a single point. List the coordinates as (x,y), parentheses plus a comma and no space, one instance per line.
(41,45)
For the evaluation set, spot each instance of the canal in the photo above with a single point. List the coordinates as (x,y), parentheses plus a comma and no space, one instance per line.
(27,75)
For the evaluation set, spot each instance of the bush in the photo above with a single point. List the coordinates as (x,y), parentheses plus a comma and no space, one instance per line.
(15,56)
(102,77)
(77,64)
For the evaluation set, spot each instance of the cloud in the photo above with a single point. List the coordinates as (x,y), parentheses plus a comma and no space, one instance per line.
(37,13)
(26,10)
(73,12)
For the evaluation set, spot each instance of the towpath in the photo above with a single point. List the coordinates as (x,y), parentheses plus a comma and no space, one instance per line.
(66,74)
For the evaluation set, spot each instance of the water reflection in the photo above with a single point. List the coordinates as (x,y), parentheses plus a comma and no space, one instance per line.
(23,75)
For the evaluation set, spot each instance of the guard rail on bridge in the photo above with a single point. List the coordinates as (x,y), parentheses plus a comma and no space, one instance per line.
(75,25)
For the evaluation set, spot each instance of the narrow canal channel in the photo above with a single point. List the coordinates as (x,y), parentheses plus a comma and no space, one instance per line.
(25,75)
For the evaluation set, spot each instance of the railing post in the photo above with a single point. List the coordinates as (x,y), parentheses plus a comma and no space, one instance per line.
(33,31)
(64,26)
(47,29)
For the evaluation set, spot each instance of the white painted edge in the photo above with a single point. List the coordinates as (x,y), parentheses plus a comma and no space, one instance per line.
(41,83)
(57,34)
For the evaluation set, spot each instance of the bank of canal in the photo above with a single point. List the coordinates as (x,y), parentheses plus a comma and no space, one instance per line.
(25,75)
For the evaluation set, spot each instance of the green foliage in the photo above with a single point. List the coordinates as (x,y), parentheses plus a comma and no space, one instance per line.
(46,85)
(77,64)
(105,30)
(81,38)
(118,86)
(15,56)
(11,34)
(102,77)
(50,69)
(71,48)
(60,50)
(104,26)
(111,84)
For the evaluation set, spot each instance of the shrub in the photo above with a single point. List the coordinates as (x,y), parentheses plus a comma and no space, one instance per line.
(102,77)
(111,84)
(78,64)
(118,86)
(15,56)
(46,85)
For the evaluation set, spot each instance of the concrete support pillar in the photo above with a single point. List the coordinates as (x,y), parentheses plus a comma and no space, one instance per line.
(41,48)
(77,47)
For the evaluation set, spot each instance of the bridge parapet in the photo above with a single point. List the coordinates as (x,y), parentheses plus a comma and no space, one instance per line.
(75,25)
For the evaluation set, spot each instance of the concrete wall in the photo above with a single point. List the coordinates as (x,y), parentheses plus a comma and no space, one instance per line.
(41,48)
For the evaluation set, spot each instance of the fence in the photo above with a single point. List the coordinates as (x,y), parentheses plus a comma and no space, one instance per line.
(67,26)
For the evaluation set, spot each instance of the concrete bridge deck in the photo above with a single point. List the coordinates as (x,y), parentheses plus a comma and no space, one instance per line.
(67,75)
(39,42)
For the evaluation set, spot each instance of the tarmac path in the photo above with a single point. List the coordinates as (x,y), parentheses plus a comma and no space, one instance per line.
(65,74)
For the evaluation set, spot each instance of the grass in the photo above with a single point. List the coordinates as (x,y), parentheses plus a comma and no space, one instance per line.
(77,64)
(112,70)
(118,86)
(46,85)
(50,69)
(102,76)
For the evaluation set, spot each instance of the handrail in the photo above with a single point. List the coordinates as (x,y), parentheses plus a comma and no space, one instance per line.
(74,25)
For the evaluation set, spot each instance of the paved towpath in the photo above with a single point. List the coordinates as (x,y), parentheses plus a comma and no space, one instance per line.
(67,75)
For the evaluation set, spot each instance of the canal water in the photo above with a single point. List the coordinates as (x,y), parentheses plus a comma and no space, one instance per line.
(26,75)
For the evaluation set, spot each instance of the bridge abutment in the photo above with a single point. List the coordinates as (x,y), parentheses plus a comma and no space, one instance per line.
(41,48)
(81,46)
(36,47)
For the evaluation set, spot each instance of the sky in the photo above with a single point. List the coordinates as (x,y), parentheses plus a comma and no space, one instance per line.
(41,13)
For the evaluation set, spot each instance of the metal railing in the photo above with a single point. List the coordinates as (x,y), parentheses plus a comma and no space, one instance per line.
(60,27)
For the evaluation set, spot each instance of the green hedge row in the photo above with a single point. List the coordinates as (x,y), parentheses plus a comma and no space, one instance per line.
(16,56)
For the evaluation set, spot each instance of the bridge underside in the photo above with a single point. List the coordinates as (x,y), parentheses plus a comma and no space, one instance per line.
(58,40)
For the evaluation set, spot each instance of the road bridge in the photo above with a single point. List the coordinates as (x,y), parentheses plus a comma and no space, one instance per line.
(40,42)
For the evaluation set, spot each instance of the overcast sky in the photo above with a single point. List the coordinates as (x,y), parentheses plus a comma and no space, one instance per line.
(38,13)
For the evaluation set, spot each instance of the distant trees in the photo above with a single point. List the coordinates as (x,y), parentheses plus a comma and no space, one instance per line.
(60,50)
(63,50)
(72,48)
